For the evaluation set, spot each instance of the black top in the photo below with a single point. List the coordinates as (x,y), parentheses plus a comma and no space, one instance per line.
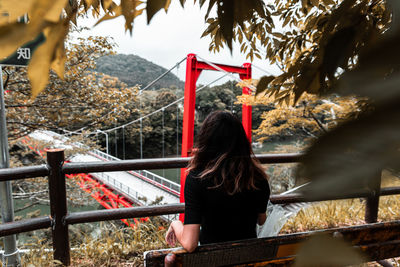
(223,217)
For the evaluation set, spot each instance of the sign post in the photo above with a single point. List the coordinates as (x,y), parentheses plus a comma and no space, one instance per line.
(20,58)
(10,256)
(23,55)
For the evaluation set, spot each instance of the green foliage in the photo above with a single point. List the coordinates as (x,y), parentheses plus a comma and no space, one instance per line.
(220,97)
(134,70)
(224,97)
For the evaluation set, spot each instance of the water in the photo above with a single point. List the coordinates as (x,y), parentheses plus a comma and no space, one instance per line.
(40,210)
(171,174)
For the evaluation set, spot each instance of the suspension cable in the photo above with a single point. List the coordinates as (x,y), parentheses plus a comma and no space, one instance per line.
(160,109)
(226,72)
(146,87)
(163,140)
(163,135)
(116,142)
(177,138)
(261,69)
(177,130)
(162,75)
(141,139)
(123,142)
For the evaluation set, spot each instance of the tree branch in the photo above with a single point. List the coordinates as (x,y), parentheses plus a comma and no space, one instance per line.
(7,80)
(318,122)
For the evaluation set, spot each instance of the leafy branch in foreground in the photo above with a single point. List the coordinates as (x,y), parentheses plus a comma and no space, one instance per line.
(318,41)
(54,18)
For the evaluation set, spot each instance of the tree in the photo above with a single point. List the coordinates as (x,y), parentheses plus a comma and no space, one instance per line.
(347,47)
(225,97)
(53,17)
(311,117)
(343,46)
(154,129)
(82,100)
(319,40)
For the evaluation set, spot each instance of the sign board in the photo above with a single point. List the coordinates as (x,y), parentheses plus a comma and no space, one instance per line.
(23,55)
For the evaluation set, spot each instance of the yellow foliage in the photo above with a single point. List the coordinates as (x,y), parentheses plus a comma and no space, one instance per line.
(14,10)
(310,116)
(39,67)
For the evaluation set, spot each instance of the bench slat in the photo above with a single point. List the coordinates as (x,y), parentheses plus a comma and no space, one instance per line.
(377,240)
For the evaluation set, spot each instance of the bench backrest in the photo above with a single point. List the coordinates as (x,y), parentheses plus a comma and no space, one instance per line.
(378,241)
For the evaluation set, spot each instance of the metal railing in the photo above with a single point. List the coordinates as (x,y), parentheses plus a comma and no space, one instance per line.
(129,191)
(144,175)
(152,178)
(160,181)
(121,187)
(60,219)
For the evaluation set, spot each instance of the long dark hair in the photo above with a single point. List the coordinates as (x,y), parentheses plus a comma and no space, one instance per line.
(223,153)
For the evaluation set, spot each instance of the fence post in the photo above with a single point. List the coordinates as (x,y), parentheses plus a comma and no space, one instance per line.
(58,206)
(372,203)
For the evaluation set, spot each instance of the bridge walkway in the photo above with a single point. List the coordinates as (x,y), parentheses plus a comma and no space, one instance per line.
(142,187)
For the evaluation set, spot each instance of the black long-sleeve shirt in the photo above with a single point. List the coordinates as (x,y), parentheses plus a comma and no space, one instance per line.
(223,217)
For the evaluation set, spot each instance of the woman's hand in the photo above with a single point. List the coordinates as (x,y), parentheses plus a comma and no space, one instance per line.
(186,235)
(170,236)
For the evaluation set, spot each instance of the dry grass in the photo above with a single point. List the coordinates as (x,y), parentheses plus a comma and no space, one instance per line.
(328,214)
(114,246)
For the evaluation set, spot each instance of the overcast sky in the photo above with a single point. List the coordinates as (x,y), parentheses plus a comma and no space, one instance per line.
(170,37)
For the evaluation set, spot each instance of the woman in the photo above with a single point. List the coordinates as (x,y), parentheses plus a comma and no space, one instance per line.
(226,189)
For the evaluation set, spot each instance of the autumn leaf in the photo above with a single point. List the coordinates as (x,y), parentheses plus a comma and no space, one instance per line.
(58,64)
(348,157)
(11,10)
(263,83)
(116,12)
(13,36)
(54,13)
(326,250)
(153,6)
(38,69)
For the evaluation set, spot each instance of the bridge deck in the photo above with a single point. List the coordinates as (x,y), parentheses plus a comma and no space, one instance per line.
(142,187)
(127,182)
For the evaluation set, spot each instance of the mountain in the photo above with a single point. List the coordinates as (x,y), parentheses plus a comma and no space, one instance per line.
(133,70)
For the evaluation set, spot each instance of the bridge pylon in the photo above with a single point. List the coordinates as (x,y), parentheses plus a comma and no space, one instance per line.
(194,67)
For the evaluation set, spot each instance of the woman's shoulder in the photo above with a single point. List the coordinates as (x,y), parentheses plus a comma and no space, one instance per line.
(262,183)
(195,176)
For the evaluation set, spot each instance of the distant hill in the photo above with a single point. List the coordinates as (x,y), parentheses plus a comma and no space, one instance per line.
(133,70)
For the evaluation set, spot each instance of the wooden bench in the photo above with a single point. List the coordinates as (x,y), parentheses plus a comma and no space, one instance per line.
(377,241)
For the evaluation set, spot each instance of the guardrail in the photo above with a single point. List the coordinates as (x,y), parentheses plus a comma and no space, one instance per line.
(139,198)
(144,175)
(59,218)
(121,187)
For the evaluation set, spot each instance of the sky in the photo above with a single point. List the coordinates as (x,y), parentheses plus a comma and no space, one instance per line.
(170,37)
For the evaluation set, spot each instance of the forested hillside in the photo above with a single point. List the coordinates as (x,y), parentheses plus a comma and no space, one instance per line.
(133,70)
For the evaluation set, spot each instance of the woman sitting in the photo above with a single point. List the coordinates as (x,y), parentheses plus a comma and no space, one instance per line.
(226,189)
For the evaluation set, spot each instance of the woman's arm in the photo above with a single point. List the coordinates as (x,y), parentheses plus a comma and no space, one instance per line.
(187,235)
(262,217)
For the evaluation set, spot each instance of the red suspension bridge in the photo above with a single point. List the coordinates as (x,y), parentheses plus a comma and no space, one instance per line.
(126,189)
